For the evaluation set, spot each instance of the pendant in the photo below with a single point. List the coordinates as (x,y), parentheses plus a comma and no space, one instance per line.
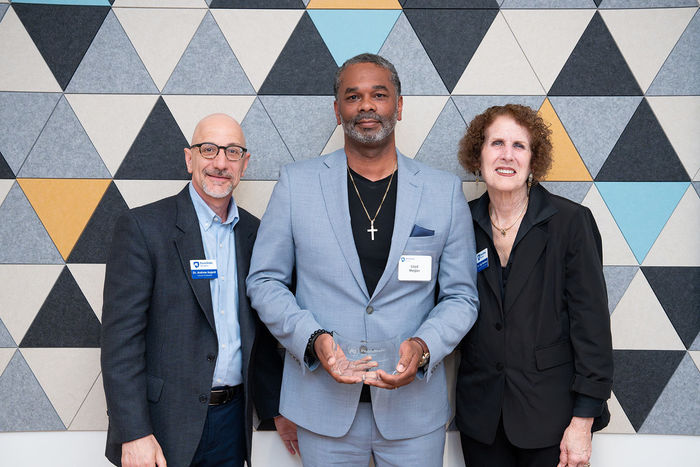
(503,232)
(371,229)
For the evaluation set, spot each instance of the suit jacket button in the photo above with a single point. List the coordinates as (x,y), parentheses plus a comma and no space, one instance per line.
(369,310)
(211,357)
(498,326)
(499,366)
(202,398)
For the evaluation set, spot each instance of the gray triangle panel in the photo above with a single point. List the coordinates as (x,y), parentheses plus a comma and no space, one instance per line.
(304,122)
(261,4)
(269,151)
(696,185)
(451,45)
(678,291)
(404,50)
(95,240)
(677,411)
(465,4)
(6,339)
(208,66)
(680,74)
(594,123)
(111,65)
(617,279)
(595,67)
(23,238)
(63,149)
(643,153)
(548,4)
(304,67)
(575,191)
(66,319)
(22,117)
(3,9)
(439,149)
(640,377)
(471,106)
(646,3)
(53,30)
(5,170)
(157,152)
(23,403)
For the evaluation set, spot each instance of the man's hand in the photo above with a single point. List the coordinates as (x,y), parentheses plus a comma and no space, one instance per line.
(288,432)
(410,354)
(336,363)
(575,445)
(143,452)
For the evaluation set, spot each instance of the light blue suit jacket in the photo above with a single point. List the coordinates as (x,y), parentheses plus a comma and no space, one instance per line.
(306,229)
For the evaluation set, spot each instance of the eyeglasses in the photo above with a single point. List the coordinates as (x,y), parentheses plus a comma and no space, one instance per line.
(232,152)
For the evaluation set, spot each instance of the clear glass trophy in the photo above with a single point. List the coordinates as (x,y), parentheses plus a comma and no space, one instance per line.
(362,358)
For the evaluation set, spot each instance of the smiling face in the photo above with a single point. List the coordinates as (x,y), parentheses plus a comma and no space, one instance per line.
(367,104)
(505,155)
(215,179)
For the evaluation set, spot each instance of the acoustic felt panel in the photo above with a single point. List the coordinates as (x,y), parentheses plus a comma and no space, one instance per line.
(208,66)
(160,3)
(676,244)
(640,377)
(93,244)
(111,64)
(450,4)
(679,117)
(5,341)
(92,414)
(439,149)
(595,67)
(91,280)
(306,46)
(619,423)
(61,44)
(678,291)
(27,241)
(5,186)
(346,4)
(451,46)
(646,3)
(64,206)
(157,152)
(271,152)
(5,170)
(419,115)
(575,191)
(22,117)
(547,4)
(304,122)
(594,124)
(642,153)
(23,403)
(415,69)
(6,354)
(256,4)
(471,106)
(3,9)
(566,162)
(63,149)
(253,195)
(65,319)
(617,279)
(139,192)
(67,2)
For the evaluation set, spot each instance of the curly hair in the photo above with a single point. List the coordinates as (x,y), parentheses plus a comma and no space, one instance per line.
(469,153)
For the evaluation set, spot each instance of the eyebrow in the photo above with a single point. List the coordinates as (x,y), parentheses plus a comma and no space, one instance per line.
(375,87)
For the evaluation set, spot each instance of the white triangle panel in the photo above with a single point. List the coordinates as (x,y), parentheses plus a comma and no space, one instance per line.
(5,186)
(418,116)
(92,415)
(161,3)
(619,423)
(91,280)
(679,116)
(139,192)
(695,355)
(5,357)
(640,323)
(337,139)
(253,195)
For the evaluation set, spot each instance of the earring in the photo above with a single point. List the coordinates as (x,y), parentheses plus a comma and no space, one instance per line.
(529,183)
(477,172)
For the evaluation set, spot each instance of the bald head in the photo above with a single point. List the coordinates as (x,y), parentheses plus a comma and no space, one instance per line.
(218,124)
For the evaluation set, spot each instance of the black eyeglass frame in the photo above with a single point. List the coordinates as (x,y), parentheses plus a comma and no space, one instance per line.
(219,148)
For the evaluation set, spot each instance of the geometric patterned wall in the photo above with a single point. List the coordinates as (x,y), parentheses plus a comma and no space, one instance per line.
(98,98)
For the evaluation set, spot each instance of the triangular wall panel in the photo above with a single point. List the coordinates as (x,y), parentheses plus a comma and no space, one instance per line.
(256,3)
(575,191)
(365,4)
(440,146)
(419,115)
(139,192)
(6,340)
(253,195)
(263,137)
(5,170)
(91,280)
(619,423)
(471,106)
(92,415)
(617,279)
(679,117)
(566,162)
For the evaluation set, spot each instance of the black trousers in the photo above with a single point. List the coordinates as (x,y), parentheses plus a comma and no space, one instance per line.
(502,453)
(223,438)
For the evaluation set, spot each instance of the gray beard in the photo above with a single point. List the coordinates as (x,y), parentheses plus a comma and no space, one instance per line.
(359,136)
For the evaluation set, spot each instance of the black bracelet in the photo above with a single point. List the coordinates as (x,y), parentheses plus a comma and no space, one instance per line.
(310,353)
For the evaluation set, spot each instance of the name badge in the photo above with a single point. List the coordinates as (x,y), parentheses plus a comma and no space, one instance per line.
(415,268)
(482,260)
(203,269)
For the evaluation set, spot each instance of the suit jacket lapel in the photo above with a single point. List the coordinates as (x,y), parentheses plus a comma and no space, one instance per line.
(480,215)
(244,236)
(334,185)
(408,194)
(189,246)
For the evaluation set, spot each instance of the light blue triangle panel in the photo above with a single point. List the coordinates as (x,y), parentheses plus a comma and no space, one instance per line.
(641,209)
(351,32)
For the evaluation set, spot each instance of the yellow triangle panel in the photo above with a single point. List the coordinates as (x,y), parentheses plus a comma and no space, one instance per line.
(354,5)
(567,165)
(64,206)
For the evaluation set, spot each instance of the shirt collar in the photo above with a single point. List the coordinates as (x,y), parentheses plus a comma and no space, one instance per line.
(207,216)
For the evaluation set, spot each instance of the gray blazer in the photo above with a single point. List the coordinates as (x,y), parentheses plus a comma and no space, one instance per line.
(159,343)
(306,230)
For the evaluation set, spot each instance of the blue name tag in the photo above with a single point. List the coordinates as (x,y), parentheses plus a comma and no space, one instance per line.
(482,260)
(203,269)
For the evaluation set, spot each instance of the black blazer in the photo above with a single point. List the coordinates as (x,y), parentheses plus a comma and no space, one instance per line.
(159,343)
(529,355)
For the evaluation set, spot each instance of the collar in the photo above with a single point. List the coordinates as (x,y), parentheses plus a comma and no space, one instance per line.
(206,216)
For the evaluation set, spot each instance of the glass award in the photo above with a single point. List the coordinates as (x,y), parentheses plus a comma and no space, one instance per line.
(354,357)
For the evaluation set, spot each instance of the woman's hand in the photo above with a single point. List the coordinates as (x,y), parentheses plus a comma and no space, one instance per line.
(575,445)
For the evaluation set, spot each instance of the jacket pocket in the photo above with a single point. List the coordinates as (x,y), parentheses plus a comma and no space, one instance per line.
(154,387)
(553,355)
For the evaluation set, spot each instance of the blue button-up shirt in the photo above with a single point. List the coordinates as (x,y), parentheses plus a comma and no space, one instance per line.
(220,244)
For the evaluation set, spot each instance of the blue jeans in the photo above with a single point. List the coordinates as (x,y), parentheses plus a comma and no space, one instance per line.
(223,438)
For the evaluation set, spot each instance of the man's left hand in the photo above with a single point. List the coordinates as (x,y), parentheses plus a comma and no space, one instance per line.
(575,446)
(288,432)
(410,354)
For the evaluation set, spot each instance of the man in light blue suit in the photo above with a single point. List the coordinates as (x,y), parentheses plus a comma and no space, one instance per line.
(366,244)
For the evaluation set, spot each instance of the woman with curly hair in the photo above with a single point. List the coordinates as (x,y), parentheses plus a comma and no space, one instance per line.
(537,366)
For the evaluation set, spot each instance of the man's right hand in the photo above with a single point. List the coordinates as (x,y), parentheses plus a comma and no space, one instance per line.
(143,452)
(336,363)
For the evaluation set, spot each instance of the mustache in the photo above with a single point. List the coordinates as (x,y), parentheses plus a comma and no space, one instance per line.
(218,173)
(368,115)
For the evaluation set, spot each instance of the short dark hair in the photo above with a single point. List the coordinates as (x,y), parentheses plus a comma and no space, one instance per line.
(469,153)
(368,58)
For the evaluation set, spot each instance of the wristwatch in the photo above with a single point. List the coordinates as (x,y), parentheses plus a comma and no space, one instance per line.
(425,358)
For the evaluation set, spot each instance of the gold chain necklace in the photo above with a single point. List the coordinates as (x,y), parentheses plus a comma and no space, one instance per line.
(371,229)
(505,230)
